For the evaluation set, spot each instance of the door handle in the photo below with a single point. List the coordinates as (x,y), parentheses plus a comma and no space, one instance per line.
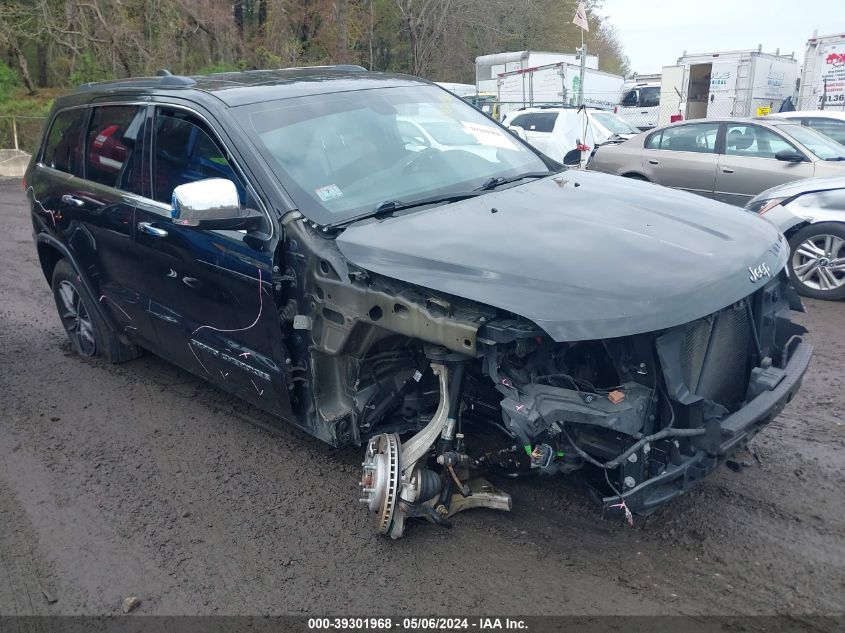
(727,170)
(651,161)
(149,229)
(73,201)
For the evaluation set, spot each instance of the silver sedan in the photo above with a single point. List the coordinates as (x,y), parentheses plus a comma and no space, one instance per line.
(811,213)
(731,160)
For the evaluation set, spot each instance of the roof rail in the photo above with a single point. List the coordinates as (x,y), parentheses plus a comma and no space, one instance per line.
(355,68)
(159,81)
(545,106)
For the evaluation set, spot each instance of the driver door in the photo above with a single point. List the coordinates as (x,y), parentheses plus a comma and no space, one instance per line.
(208,293)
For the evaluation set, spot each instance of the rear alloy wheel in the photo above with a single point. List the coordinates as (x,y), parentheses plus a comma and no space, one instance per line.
(817,263)
(75,314)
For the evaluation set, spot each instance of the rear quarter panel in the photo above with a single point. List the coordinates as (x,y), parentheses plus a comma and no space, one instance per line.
(617,159)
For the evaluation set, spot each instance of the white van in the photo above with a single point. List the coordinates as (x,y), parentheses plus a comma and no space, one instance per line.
(640,105)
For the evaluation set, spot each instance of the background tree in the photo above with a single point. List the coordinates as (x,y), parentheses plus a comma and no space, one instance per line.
(68,42)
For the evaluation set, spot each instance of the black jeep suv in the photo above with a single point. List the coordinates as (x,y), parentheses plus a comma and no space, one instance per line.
(368,257)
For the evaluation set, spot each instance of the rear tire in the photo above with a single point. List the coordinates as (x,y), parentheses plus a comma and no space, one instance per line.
(636,177)
(89,336)
(817,261)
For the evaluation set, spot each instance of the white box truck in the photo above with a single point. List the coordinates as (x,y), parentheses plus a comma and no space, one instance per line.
(556,84)
(731,83)
(823,76)
(489,67)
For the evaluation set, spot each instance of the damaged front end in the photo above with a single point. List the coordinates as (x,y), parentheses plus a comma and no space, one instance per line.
(642,418)
(445,391)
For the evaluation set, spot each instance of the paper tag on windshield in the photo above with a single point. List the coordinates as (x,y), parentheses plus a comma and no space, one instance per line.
(488,135)
(329,192)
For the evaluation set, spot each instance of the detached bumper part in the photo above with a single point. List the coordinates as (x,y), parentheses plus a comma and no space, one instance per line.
(734,432)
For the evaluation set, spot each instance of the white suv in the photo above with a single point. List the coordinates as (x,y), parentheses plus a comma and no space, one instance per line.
(555,131)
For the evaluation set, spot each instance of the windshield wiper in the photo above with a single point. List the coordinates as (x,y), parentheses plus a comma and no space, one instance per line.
(836,158)
(389,206)
(497,181)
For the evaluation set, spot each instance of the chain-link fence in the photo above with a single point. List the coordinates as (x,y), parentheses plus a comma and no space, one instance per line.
(21,132)
(832,102)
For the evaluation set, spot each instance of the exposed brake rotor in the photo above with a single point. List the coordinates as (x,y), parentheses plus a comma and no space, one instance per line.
(380,478)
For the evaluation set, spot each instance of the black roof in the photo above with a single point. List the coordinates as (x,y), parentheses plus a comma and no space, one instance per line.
(253,86)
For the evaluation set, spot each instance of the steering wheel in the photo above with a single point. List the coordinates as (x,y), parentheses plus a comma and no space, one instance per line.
(416,162)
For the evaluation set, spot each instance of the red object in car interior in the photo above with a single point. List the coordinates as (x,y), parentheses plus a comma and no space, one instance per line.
(107,152)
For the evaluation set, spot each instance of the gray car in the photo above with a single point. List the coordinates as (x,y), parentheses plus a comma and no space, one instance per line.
(811,214)
(731,160)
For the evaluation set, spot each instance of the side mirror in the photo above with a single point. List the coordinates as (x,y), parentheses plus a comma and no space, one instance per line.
(212,204)
(572,158)
(790,156)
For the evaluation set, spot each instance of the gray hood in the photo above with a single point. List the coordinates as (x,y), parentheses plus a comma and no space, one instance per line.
(597,256)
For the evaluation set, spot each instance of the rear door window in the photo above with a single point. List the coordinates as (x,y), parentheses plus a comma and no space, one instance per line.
(695,137)
(63,150)
(653,141)
(755,141)
(114,145)
(544,121)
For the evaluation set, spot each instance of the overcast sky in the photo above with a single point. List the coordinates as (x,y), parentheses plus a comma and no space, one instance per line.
(654,33)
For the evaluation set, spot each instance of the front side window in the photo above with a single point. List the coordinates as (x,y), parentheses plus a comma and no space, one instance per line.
(630,99)
(341,155)
(649,97)
(695,137)
(114,145)
(63,150)
(822,146)
(834,128)
(754,141)
(184,152)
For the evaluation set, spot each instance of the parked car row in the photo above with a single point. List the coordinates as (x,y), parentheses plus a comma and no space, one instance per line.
(730,160)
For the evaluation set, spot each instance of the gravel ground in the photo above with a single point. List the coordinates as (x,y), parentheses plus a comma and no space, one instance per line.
(140,479)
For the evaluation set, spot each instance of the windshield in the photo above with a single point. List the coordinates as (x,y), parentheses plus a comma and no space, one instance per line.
(449,133)
(614,124)
(822,146)
(340,155)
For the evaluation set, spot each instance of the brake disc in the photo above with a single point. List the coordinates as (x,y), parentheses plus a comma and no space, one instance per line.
(380,478)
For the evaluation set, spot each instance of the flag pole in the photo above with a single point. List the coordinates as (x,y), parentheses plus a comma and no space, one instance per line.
(583,70)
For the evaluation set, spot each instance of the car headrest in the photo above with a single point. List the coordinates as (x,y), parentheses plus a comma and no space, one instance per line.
(738,140)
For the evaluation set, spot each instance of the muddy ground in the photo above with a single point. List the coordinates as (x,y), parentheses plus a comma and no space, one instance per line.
(140,479)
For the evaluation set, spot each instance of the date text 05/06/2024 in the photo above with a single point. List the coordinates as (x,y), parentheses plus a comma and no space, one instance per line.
(417,624)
